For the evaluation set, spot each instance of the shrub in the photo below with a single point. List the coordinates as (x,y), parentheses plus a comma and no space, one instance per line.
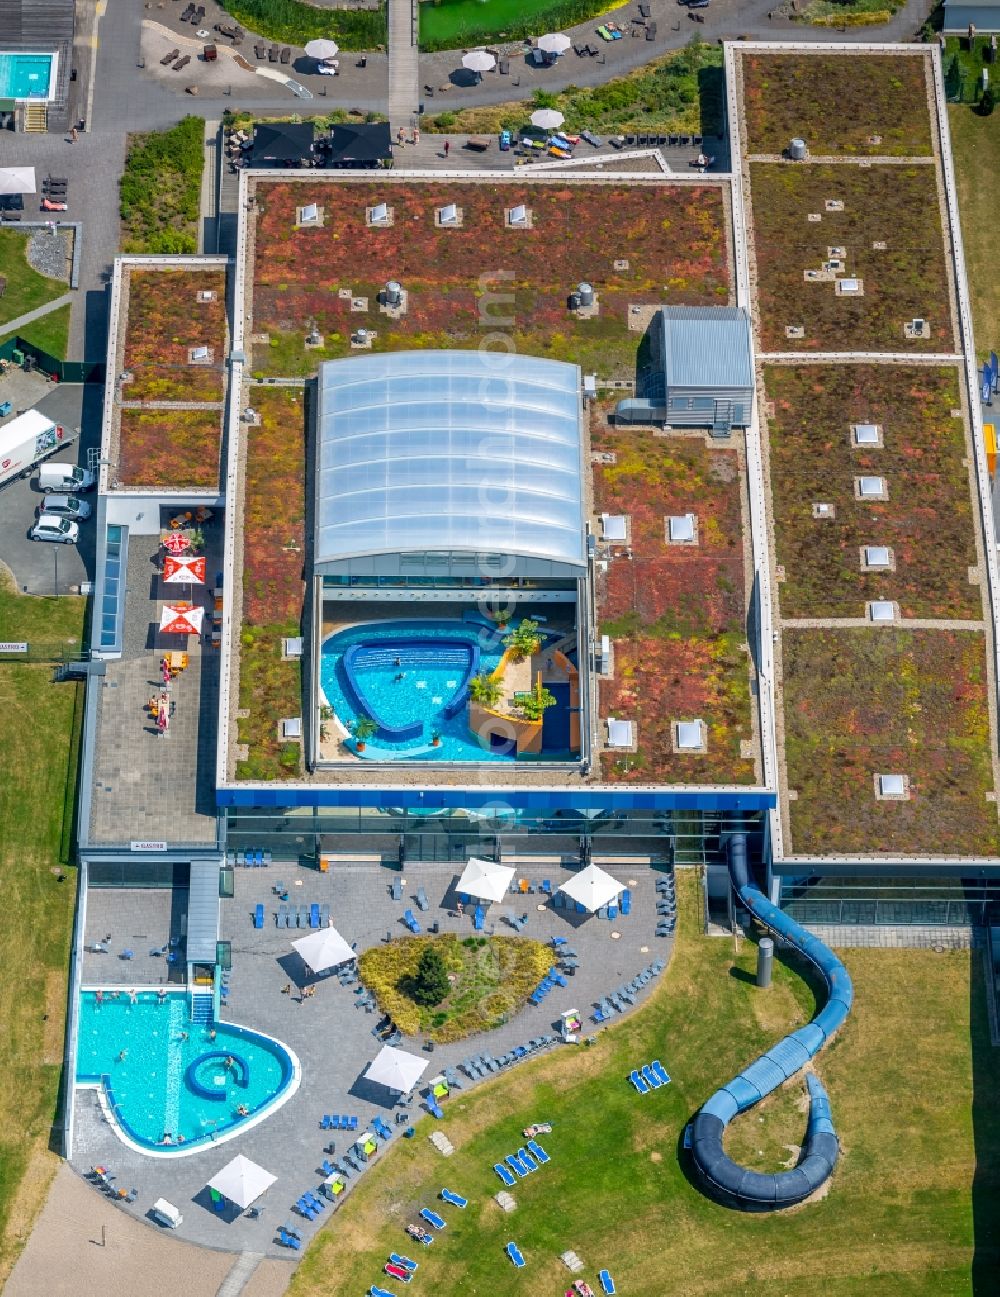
(430,983)
(523,640)
(296,23)
(485,690)
(160,189)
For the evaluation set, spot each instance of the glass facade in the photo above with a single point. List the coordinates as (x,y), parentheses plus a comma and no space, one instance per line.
(112,612)
(886,899)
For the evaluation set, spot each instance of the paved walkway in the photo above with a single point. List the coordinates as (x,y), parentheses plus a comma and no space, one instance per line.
(404,77)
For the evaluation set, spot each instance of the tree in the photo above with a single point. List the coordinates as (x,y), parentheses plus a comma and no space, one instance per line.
(524,639)
(430,982)
(987,102)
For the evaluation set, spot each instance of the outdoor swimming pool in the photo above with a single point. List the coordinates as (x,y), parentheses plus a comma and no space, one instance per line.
(407,675)
(163,1074)
(26,76)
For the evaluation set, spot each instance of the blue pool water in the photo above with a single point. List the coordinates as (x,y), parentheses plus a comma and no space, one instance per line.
(25,76)
(434,660)
(165,1083)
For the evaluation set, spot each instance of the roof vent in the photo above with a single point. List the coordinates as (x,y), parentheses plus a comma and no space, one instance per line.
(380,214)
(291,728)
(519,217)
(621,734)
(392,294)
(871,488)
(586,294)
(614,526)
(682,529)
(449,215)
(867,434)
(292,646)
(309,214)
(798,150)
(689,736)
(876,556)
(882,611)
(199,353)
(821,509)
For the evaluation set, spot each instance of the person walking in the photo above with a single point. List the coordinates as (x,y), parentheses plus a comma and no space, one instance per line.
(73,135)
(447,147)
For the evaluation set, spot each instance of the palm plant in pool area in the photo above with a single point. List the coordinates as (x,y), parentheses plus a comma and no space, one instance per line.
(364,728)
(485,690)
(524,639)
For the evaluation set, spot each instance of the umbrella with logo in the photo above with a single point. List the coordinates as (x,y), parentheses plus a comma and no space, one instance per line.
(547,118)
(554,43)
(186,570)
(176,542)
(181,619)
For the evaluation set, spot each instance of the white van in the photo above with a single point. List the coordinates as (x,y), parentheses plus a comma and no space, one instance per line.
(67,506)
(64,478)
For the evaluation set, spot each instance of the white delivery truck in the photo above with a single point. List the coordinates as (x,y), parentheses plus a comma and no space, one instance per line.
(27,440)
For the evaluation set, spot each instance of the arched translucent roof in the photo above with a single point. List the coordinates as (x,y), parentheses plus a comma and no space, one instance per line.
(449,450)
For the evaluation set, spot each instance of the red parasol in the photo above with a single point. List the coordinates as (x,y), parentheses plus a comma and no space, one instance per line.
(181,621)
(176,543)
(186,570)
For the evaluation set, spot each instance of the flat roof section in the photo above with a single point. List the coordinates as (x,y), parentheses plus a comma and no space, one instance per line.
(707,347)
(431,451)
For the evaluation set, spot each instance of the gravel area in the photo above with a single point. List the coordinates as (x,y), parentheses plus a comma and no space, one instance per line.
(50,252)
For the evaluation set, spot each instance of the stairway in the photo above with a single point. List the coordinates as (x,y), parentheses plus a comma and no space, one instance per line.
(201,1007)
(36,117)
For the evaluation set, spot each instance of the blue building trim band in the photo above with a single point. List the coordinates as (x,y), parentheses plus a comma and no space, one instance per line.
(738,1186)
(287,796)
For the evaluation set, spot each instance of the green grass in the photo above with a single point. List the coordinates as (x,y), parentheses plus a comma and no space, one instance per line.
(973,139)
(49,333)
(39,727)
(682,92)
(297,23)
(493,977)
(26,289)
(897,1217)
(447,24)
(160,189)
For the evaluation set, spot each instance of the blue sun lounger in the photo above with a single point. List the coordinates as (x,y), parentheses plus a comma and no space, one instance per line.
(638,1082)
(432,1218)
(514,1252)
(607,1283)
(287,1239)
(659,1070)
(504,1174)
(538,1151)
(404,1261)
(527,1160)
(258,916)
(314,914)
(375,1291)
(453,1198)
(515,1165)
(649,1078)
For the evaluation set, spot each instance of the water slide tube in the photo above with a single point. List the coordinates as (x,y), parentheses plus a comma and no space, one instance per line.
(726,1180)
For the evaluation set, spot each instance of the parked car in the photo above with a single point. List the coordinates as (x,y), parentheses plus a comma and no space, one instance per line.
(67,506)
(61,531)
(505,141)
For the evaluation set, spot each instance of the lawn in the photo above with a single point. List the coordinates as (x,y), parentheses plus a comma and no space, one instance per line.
(892,205)
(491,978)
(273,557)
(865,701)
(683,92)
(449,24)
(297,23)
(26,289)
(39,731)
(927,519)
(973,138)
(160,189)
(672,239)
(675,613)
(170,448)
(165,320)
(839,103)
(896,1219)
(50,333)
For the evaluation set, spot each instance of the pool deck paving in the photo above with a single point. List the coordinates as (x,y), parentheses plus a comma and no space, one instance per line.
(332,1036)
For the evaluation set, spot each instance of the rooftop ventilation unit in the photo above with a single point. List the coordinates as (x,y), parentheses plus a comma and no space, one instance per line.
(310,214)
(518,216)
(823,510)
(585,292)
(689,736)
(867,434)
(199,353)
(292,646)
(291,727)
(871,488)
(798,150)
(878,556)
(448,215)
(614,526)
(380,214)
(892,785)
(392,294)
(882,610)
(681,528)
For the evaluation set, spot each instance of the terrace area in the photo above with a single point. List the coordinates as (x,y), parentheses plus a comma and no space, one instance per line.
(482,268)
(675,611)
(169,358)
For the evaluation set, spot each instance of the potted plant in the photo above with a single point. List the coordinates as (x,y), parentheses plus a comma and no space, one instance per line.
(363,728)
(197,539)
(435,739)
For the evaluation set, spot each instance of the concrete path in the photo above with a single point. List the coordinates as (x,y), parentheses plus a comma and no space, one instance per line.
(13,325)
(404,77)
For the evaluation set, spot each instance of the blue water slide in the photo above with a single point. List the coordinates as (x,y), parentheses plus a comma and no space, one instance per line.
(738,1186)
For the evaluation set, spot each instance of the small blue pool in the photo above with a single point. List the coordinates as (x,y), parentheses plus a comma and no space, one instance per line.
(164,1076)
(26,76)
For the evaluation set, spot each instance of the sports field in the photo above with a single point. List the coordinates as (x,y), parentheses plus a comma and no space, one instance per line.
(911,1209)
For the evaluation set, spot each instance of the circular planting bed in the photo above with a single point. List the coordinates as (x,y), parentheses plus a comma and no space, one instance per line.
(485,981)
